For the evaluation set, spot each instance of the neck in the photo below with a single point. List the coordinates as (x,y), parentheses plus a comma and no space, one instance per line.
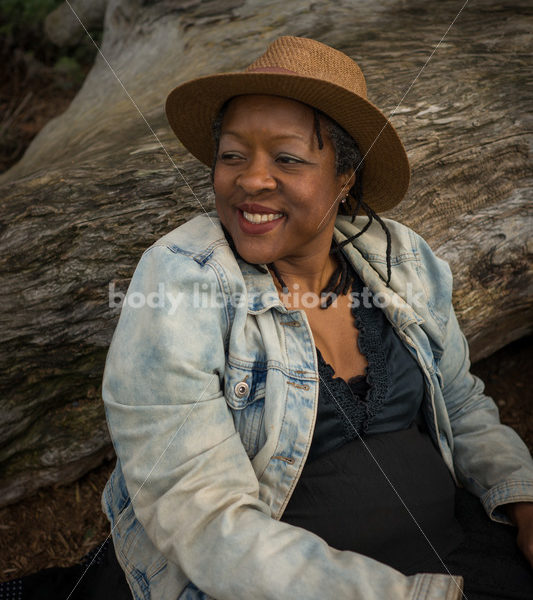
(309,273)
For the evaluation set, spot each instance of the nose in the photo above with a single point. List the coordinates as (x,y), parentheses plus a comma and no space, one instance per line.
(256,176)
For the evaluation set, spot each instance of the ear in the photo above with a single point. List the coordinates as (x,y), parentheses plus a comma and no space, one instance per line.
(350,181)
(346,181)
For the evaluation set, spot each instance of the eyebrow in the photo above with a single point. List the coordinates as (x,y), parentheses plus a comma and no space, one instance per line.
(281,136)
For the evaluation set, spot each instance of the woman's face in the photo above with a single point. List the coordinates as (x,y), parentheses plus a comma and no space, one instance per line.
(269,166)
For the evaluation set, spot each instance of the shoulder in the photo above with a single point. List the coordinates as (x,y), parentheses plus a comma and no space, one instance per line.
(197,238)
(176,284)
(417,272)
(406,244)
(405,241)
(195,245)
(191,263)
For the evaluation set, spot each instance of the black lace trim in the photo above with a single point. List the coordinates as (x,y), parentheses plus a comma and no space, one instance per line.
(347,401)
(360,399)
(369,322)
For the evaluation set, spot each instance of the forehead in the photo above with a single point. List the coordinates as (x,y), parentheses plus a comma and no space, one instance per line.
(268,110)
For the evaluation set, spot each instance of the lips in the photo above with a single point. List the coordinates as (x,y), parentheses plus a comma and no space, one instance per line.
(257,209)
(255,219)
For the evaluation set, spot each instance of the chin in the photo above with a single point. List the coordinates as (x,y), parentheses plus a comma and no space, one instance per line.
(255,257)
(256,252)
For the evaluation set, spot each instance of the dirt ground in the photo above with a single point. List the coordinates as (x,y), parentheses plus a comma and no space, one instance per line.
(59,525)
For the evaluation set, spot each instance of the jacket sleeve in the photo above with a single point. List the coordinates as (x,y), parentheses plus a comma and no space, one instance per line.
(490,459)
(191,482)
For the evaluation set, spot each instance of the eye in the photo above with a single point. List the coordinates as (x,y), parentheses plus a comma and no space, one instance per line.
(231,156)
(287,159)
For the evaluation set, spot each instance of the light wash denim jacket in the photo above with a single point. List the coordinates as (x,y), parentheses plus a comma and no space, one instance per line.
(211,391)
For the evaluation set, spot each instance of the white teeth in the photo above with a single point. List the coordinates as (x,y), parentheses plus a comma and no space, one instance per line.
(261,218)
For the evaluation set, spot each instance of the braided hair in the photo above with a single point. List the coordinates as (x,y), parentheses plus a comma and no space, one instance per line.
(348,158)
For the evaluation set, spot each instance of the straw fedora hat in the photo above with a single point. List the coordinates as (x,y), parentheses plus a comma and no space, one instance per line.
(315,74)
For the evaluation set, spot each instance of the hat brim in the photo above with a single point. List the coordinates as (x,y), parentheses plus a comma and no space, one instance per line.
(192,106)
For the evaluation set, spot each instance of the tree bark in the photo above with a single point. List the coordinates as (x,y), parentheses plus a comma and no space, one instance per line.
(101,182)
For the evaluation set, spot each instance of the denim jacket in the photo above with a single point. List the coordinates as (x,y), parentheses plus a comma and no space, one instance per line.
(211,391)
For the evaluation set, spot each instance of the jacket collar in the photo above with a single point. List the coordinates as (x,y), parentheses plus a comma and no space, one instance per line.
(366,254)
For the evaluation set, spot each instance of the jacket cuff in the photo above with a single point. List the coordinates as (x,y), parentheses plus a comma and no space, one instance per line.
(506,493)
(444,587)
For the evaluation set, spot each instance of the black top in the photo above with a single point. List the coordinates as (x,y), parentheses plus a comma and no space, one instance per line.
(387,399)
(374,482)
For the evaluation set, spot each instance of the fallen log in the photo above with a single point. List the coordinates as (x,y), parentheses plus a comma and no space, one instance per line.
(102,181)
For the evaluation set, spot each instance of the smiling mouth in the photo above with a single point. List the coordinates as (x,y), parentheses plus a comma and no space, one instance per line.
(261,218)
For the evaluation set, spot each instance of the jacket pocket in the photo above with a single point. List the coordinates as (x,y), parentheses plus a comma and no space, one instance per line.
(243,385)
(245,390)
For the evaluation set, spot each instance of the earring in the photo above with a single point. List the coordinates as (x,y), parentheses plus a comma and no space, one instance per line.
(344,199)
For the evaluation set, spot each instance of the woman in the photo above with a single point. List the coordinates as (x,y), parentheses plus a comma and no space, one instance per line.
(288,388)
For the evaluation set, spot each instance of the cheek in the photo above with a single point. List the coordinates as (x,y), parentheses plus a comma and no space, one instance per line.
(222,190)
(217,180)
(321,193)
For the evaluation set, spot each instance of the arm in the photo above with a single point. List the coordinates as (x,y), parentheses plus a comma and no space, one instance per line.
(521,514)
(490,458)
(192,485)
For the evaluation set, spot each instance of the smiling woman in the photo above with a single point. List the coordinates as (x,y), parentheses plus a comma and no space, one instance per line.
(268,148)
(312,430)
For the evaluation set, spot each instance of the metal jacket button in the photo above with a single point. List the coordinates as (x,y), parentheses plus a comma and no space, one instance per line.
(241,389)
